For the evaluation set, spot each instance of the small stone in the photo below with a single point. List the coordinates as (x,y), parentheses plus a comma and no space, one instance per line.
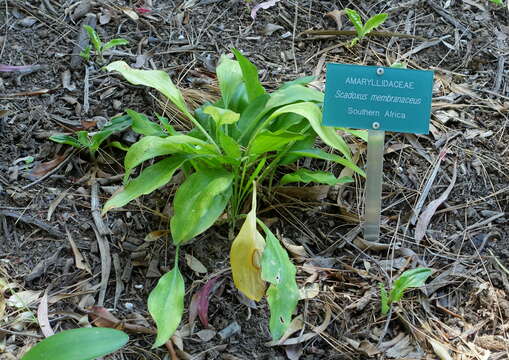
(117,104)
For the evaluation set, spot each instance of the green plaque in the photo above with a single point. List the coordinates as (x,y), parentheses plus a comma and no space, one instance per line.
(379,98)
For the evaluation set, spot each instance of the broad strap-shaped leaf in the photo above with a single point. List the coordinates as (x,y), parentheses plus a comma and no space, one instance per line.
(166,304)
(250,74)
(150,147)
(320,154)
(267,141)
(114,42)
(313,114)
(230,147)
(299,81)
(283,292)
(373,23)
(78,344)
(94,38)
(321,177)
(66,139)
(229,76)
(252,118)
(156,79)
(294,93)
(356,20)
(221,116)
(199,201)
(409,279)
(142,125)
(150,179)
(245,257)
(384,299)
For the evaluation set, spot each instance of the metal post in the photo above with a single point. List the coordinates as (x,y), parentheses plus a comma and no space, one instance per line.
(374,183)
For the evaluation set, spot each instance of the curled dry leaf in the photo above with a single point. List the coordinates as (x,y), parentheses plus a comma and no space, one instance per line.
(42,316)
(440,350)
(264,5)
(80,261)
(200,303)
(23,299)
(429,211)
(336,15)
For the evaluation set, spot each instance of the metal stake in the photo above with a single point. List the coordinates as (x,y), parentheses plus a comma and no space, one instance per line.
(374,184)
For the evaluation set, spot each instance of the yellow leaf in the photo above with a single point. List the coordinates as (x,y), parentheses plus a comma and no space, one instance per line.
(245,257)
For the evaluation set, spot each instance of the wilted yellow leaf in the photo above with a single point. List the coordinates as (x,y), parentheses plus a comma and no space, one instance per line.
(245,257)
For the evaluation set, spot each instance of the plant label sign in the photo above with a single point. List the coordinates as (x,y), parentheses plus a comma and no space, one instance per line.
(379,98)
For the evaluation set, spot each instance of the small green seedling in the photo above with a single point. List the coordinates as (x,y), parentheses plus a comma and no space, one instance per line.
(364,29)
(92,141)
(99,47)
(498,2)
(78,344)
(409,279)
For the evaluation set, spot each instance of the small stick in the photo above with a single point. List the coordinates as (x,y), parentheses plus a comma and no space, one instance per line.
(32,221)
(354,33)
(104,250)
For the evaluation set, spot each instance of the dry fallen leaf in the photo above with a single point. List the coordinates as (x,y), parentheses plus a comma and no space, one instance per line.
(195,264)
(245,257)
(336,15)
(440,350)
(80,261)
(309,292)
(23,299)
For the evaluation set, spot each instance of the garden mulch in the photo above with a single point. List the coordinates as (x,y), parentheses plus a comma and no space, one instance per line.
(56,251)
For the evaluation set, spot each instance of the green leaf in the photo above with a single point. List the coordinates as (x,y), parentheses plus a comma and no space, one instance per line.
(85,53)
(78,344)
(166,304)
(114,42)
(384,299)
(94,38)
(250,118)
(267,141)
(498,2)
(118,124)
(66,139)
(166,124)
(199,201)
(300,81)
(83,138)
(283,293)
(313,114)
(119,145)
(150,147)
(373,23)
(160,81)
(142,125)
(293,93)
(356,21)
(221,116)
(320,154)
(229,76)
(230,147)
(409,279)
(156,79)
(250,74)
(151,178)
(320,177)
